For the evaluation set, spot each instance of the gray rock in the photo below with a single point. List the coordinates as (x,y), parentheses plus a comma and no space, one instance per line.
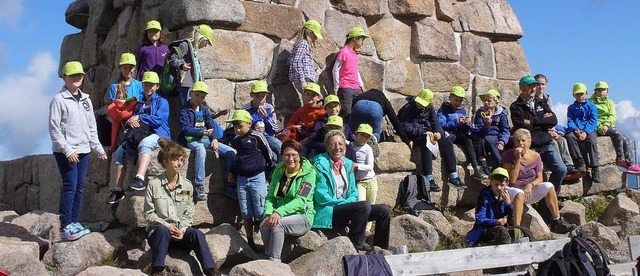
(437,219)
(573,212)
(403,76)
(175,15)
(532,220)
(511,64)
(77,14)
(620,210)
(392,38)
(109,271)
(493,18)
(432,39)
(445,10)
(610,179)
(18,233)
(177,262)
(441,76)
(605,236)
(101,16)
(279,73)
(411,8)
(469,215)
(314,9)
(3,206)
(295,247)
(388,184)
(476,54)
(630,228)
(7,216)
(20,258)
(261,267)
(42,224)
(329,255)
(76,256)
(71,49)
(413,232)
(392,158)
(362,7)
(633,194)
(130,211)
(460,228)
(371,71)
(228,247)
(336,27)
(283,22)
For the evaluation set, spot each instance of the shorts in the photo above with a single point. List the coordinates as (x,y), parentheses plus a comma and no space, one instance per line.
(537,193)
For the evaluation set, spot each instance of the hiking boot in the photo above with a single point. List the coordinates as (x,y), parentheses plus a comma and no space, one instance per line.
(433,186)
(479,174)
(200,194)
(70,233)
(561,226)
(115,196)
(595,175)
(362,247)
(456,183)
(373,143)
(137,184)
(580,166)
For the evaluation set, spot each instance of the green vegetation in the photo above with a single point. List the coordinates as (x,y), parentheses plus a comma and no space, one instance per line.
(110,260)
(594,209)
(52,268)
(446,243)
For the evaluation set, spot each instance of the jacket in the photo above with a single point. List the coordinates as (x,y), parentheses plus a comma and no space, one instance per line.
(488,211)
(539,126)
(582,116)
(254,154)
(448,119)
(151,58)
(158,117)
(119,111)
(189,55)
(606,112)
(299,198)
(301,123)
(188,121)
(270,122)
(324,197)
(72,124)
(316,138)
(416,122)
(499,124)
(165,207)
(379,97)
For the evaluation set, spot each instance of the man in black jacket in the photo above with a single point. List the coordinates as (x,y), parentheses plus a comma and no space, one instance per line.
(535,115)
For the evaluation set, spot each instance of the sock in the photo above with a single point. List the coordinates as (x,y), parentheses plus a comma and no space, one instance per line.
(140,176)
(119,189)
(429,177)
(453,175)
(556,219)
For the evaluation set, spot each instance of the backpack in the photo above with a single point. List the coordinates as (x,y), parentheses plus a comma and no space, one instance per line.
(413,195)
(170,77)
(133,136)
(580,256)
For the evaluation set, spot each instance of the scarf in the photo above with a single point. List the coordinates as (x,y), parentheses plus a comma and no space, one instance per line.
(337,165)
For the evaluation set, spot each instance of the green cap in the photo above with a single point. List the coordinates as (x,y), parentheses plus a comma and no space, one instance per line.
(331,99)
(579,88)
(72,68)
(207,32)
(365,128)
(356,32)
(313,87)
(200,86)
(128,58)
(425,97)
(151,77)
(259,86)
(240,115)
(458,91)
(602,85)
(500,171)
(153,25)
(528,80)
(491,92)
(315,27)
(335,120)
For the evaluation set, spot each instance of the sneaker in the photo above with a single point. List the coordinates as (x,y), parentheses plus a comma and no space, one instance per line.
(373,143)
(634,168)
(571,169)
(486,169)
(81,230)
(252,244)
(479,174)
(595,175)
(362,247)
(69,233)
(561,226)
(580,166)
(433,186)
(201,195)
(456,183)
(137,184)
(115,196)
(623,164)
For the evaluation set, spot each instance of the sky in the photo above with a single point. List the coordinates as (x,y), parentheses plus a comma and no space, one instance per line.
(568,41)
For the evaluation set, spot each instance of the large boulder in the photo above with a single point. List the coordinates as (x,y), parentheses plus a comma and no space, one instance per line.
(42,224)
(109,271)
(178,14)
(71,49)
(433,39)
(329,256)
(610,179)
(371,71)
(228,247)
(101,16)
(494,18)
(223,209)
(413,232)
(77,14)
(403,76)
(445,10)
(363,7)
(282,22)
(511,64)
(388,185)
(412,8)
(476,54)
(295,247)
(178,262)
(532,220)
(261,267)
(392,38)
(18,233)
(605,236)
(574,212)
(393,158)
(441,76)
(130,211)
(437,219)
(337,25)
(76,256)
(314,9)
(21,258)
(620,210)
(8,216)
(633,194)
(460,228)
(630,228)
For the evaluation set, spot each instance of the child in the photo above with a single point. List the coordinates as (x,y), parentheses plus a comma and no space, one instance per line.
(200,132)
(72,127)
(493,129)
(300,61)
(264,112)
(493,208)
(332,122)
(582,119)
(304,119)
(127,85)
(253,158)
(607,126)
(152,53)
(347,83)
(419,120)
(120,110)
(362,156)
(453,118)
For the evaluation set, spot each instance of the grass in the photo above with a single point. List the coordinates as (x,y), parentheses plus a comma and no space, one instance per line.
(449,243)
(52,268)
(594,210)
(448,214)
(110,260)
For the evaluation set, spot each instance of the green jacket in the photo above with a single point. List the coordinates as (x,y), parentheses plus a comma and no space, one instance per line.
(606,112)
(324,198)
(165,207)
(299,197)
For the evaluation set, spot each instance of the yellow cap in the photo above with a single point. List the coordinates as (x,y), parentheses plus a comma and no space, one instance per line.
(72,68)
(579,88)
(200,86)
(127,58)
(207,32)
(602,85)
(499,171)
(356,32)
(365,128)
(458,91)
(491,92)
(151,77)
(259,87)
(331,99)
(315,27)
(335,120)
(153,25)
(313,87)
(425,97)
(240,115)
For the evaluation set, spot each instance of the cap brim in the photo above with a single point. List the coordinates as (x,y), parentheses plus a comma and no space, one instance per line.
(318,35)
(421,101)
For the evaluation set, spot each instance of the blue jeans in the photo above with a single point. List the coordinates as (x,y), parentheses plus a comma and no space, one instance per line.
(73,176)
(184,94)
(553,162)
(251,194)
(367,112)
(274,145)
(146,146)
(199,147)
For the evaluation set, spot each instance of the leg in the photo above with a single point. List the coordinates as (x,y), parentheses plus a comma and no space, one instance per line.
(359,114)
(517,199)
(194,240)
(574,148)
(591,147)
(82,167)
(380,213)
(620,143)
(563,149)
(159,241)
(362,191)
(69,173)
(275,146)
(357,213)
(346,96)
(492,143)
(273,237)
(553,162)
(146,146)
(258,191)
(552,203)
(245,202)
(297,86)
(228,154)
(199,149)
(425,155)
(469,151)
(449,158)
(121,165)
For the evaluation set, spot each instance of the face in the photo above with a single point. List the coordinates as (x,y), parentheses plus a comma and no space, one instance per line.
(527,91)
(328,128)
(359,41)
(490,102)
(455,101)
(310,97)
(602,93)
(362,138)
(581,97)
(258,99)
(542,85)
(498,184)
(197,97)
(173,165)
(291,158)
(73,82)
(149,89)
(336,147)
(127,71)
(420,106)
(203,43)
(241,128)
(332,109)
(153,35)
(522,141)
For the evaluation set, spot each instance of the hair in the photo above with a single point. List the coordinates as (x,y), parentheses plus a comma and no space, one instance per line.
(293,144)
(121,88)
(170,151)
(540,76)
(146,41)
(332,133)
(522,132)
(500,178)
(303,34)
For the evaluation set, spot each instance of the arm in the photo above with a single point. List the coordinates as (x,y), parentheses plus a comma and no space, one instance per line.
(159,116)
(592,118)
(352,193)
(176,61)
(360,80)
(295,118)
(368,162)
(271,123)
(481,212)
(187,217)
(150,210)
(408,122)
(264,148)
(303,195)
(336,75)
(112,92)
(296,60)
(571,122)
(55,128)
(269,199)
(434,120)
(322,195)
(510,165)
(387,109)
(548,122)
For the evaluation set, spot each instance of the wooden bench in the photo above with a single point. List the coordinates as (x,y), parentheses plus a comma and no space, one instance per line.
(634,250)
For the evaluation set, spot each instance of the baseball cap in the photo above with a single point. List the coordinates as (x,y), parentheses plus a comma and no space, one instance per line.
(425,97)
(458,91)
(240,115)
(259,86)
(315,27)
(72,68)
(579,88)
(528,80)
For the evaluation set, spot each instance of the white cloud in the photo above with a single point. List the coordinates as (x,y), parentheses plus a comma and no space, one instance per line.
(11,11)
(560,109)
(628,119)
(24,107)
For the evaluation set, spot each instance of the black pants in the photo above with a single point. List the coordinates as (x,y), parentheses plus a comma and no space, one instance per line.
(160,242)
(346,96)
(465,142)
(487,147)
(359,213)
(589,146)
(446,150)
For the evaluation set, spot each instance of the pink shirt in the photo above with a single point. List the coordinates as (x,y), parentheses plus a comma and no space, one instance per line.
(349,69)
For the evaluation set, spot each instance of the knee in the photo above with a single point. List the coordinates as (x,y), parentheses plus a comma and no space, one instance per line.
(385,211)
(363,206)
(518,199)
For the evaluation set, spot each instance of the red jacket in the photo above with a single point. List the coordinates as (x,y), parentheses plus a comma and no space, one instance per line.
(302,121)
(119,111)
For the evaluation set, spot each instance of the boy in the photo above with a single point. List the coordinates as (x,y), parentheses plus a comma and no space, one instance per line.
(200,132)
(453,118)
(262,111)
(253,158)
(493,208)
(582,118)
(316,138)
(304,119)
(607,126)
(362,156)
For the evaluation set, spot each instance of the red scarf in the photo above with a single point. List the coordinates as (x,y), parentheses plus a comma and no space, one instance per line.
(337,165)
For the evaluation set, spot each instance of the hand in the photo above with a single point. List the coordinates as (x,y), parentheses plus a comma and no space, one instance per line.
(263,112)
(527,121)
(273,220)
(362,89)
(554,133)
(355,166)
(518,153)
(500,146)
(505,197)
(428,133)
(548,115)
(103,156)
(582,135)
(437,136)
(214,144)
(501,221)
(604,130)
(175,232)
(259,128)
(134,124)
(487,121)
(463,120)
(186,66)
(73,158)
(527,191)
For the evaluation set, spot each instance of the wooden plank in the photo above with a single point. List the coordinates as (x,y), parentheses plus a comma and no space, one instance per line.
(622,269)
(634,247)
(446,261)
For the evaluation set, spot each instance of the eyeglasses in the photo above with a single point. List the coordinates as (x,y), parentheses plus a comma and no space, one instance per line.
(291,155)
(336,144)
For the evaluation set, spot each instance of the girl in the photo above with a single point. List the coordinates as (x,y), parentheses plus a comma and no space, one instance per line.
(72,127)
(153,51)
(347,83)
(362,156)
(493,129)
(126,85)
(188,63)
(301,61)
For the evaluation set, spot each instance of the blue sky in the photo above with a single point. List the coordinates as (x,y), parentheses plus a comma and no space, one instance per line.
(569,41)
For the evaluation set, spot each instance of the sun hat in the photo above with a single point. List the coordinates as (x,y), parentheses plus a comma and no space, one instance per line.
(72,68)
(259,86)
(151,77)
(356,32)
(315,27)
(153,25)
(200,86)
(458,91)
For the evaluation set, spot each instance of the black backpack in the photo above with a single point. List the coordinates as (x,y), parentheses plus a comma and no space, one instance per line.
(413,195)
(580,256)
(171,77)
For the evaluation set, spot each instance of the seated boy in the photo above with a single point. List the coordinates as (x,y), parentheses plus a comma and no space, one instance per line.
(582,118)
(301,123)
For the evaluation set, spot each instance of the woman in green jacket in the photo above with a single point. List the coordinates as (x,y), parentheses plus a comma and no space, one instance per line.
(288,207)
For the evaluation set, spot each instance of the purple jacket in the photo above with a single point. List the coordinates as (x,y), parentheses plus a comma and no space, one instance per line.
(151,58)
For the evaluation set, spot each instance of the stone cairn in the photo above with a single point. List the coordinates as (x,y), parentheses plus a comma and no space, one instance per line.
(414,44)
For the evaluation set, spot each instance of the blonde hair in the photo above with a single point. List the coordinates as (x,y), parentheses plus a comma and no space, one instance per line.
(121,88)
(522,132)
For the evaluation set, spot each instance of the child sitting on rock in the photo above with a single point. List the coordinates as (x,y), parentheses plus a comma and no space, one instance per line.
(493,208)
(362,156)
(582,118)
(263,115)
(493,129)
(332,122)
(304,119)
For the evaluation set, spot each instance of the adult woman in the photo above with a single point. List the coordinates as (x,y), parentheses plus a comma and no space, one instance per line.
(301,60)
(336,195)
(526,186)
(288,207)
(369,108)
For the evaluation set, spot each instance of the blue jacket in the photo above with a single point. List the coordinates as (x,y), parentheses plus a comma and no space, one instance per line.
(582,116)
(418,121)
(488,210)
(448,119)
(158,117)
(270,122)
(499,124)
(254,155)
(188,120)
(324,198)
